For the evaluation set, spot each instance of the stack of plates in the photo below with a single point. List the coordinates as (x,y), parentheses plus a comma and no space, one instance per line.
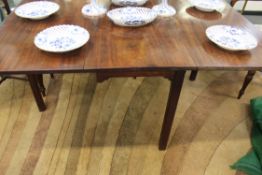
(61,38)
(132,16)
(231,38)
(208,5)
(37,10)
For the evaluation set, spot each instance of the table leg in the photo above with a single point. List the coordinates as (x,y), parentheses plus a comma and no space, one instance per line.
(175,89)
(193,75)
(33,80)
(248,79)
(41,84)
(3,78)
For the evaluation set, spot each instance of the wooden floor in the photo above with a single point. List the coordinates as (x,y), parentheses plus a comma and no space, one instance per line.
(113,127)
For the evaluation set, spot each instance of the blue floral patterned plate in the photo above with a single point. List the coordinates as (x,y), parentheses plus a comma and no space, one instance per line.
(129,2)
(132,16)
(61,38)
(208,5)
(37,10)
(231,38)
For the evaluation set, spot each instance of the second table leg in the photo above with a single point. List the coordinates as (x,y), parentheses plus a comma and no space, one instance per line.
(175,89)
(40,81)
(33,80)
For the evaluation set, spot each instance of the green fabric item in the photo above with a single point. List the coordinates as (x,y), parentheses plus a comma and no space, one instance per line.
(248,164)
(251,163)
(256,137)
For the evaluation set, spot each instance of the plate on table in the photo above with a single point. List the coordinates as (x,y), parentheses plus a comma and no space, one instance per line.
(61,38)
(132,16)
(231,38)
(208,5)
(37,10)
(129,2)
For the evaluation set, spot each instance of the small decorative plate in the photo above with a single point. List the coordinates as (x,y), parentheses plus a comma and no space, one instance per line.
(129,2)
(231,38)
(132,16)
(61,38)
(93,9)
(164,10)
(37,10)
(208,5)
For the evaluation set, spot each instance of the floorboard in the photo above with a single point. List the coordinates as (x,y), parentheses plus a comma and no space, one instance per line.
(112,128)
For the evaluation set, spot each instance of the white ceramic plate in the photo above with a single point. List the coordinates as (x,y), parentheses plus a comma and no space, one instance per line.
(231,38)
(129,2)
(132,16)
(37,10)
(164,10)
(93,9)
(208,5)
(61,38)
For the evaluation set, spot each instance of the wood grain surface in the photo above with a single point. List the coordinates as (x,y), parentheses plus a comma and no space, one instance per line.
(178,42)
(113,127)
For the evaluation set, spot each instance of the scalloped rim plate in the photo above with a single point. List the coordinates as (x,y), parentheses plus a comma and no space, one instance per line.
(132,16)
(231,38)
(129,2)
(208,5)
(37,10)
(61,38)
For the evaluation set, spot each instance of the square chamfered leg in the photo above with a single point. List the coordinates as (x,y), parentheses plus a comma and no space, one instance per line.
(174,93)
(33,81)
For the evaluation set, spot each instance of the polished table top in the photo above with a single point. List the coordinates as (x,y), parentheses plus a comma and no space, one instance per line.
(172,43)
